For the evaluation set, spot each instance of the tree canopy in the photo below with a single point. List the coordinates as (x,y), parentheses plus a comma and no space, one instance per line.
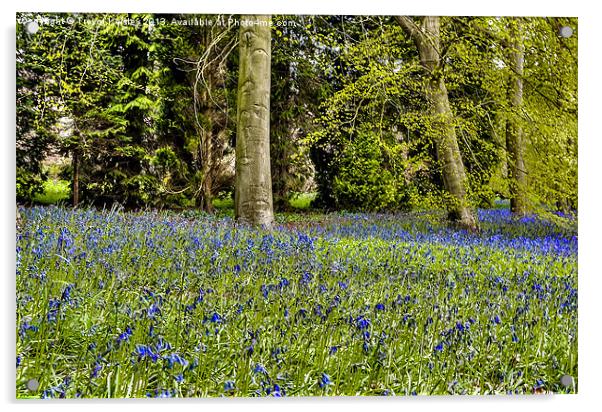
(374,113)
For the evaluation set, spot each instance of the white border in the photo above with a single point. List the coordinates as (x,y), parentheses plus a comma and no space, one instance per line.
(589,197)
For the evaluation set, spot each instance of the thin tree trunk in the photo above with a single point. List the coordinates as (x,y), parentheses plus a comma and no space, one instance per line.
(253,193)
(75,178)
(427,40)
(207,186)
(515,140)
(207,159)
(19,219)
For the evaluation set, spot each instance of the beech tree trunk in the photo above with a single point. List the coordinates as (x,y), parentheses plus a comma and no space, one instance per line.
(428,42)
(253,194)
(515,140)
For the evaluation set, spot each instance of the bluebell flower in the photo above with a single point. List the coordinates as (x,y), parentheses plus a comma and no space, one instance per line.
(380,306)
(53,310)
(26,326)
(265,291)
(179,378)
(324,380)
(95,370)
(143,351)
(124,336)
(259,368)
(66,295)
(439,347)
(306,278)
(362,323)
(153,311)
(216,318)
(162,394)
(251,348)
(460,327)
(277,392)
(174,358)
(229,386)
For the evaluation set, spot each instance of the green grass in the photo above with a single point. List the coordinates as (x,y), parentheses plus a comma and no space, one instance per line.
(223,203)
(302,200)
(55,191)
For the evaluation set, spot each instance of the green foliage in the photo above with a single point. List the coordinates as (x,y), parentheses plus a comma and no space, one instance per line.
(149,110)
(302,201)
(369,151)
(35,117)
(28,184)
(55,191)
(196,91)
(361,182)
(96,78)
(296,91)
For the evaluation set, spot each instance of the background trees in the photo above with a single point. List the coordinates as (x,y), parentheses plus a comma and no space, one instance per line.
(372,112)
(195,122)
(35,116)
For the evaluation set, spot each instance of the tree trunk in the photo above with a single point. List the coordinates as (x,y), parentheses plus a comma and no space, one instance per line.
(207,158)
(75,178)
(515,141)
(253,193)
(213,122)
(206,190)
(427,39)
(19,219)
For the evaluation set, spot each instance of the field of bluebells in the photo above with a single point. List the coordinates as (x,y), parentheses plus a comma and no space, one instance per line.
(149,304)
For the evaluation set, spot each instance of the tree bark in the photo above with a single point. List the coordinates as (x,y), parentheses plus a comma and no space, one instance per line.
(253,193)
(19,219)
(207,159)
(428,42)
(75,178)
(515,140)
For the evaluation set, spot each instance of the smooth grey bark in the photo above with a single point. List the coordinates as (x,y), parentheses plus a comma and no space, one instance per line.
(253,194)
(515,139)
(428,42)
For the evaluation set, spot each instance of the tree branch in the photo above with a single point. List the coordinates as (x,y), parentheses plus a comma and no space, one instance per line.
(411,28)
